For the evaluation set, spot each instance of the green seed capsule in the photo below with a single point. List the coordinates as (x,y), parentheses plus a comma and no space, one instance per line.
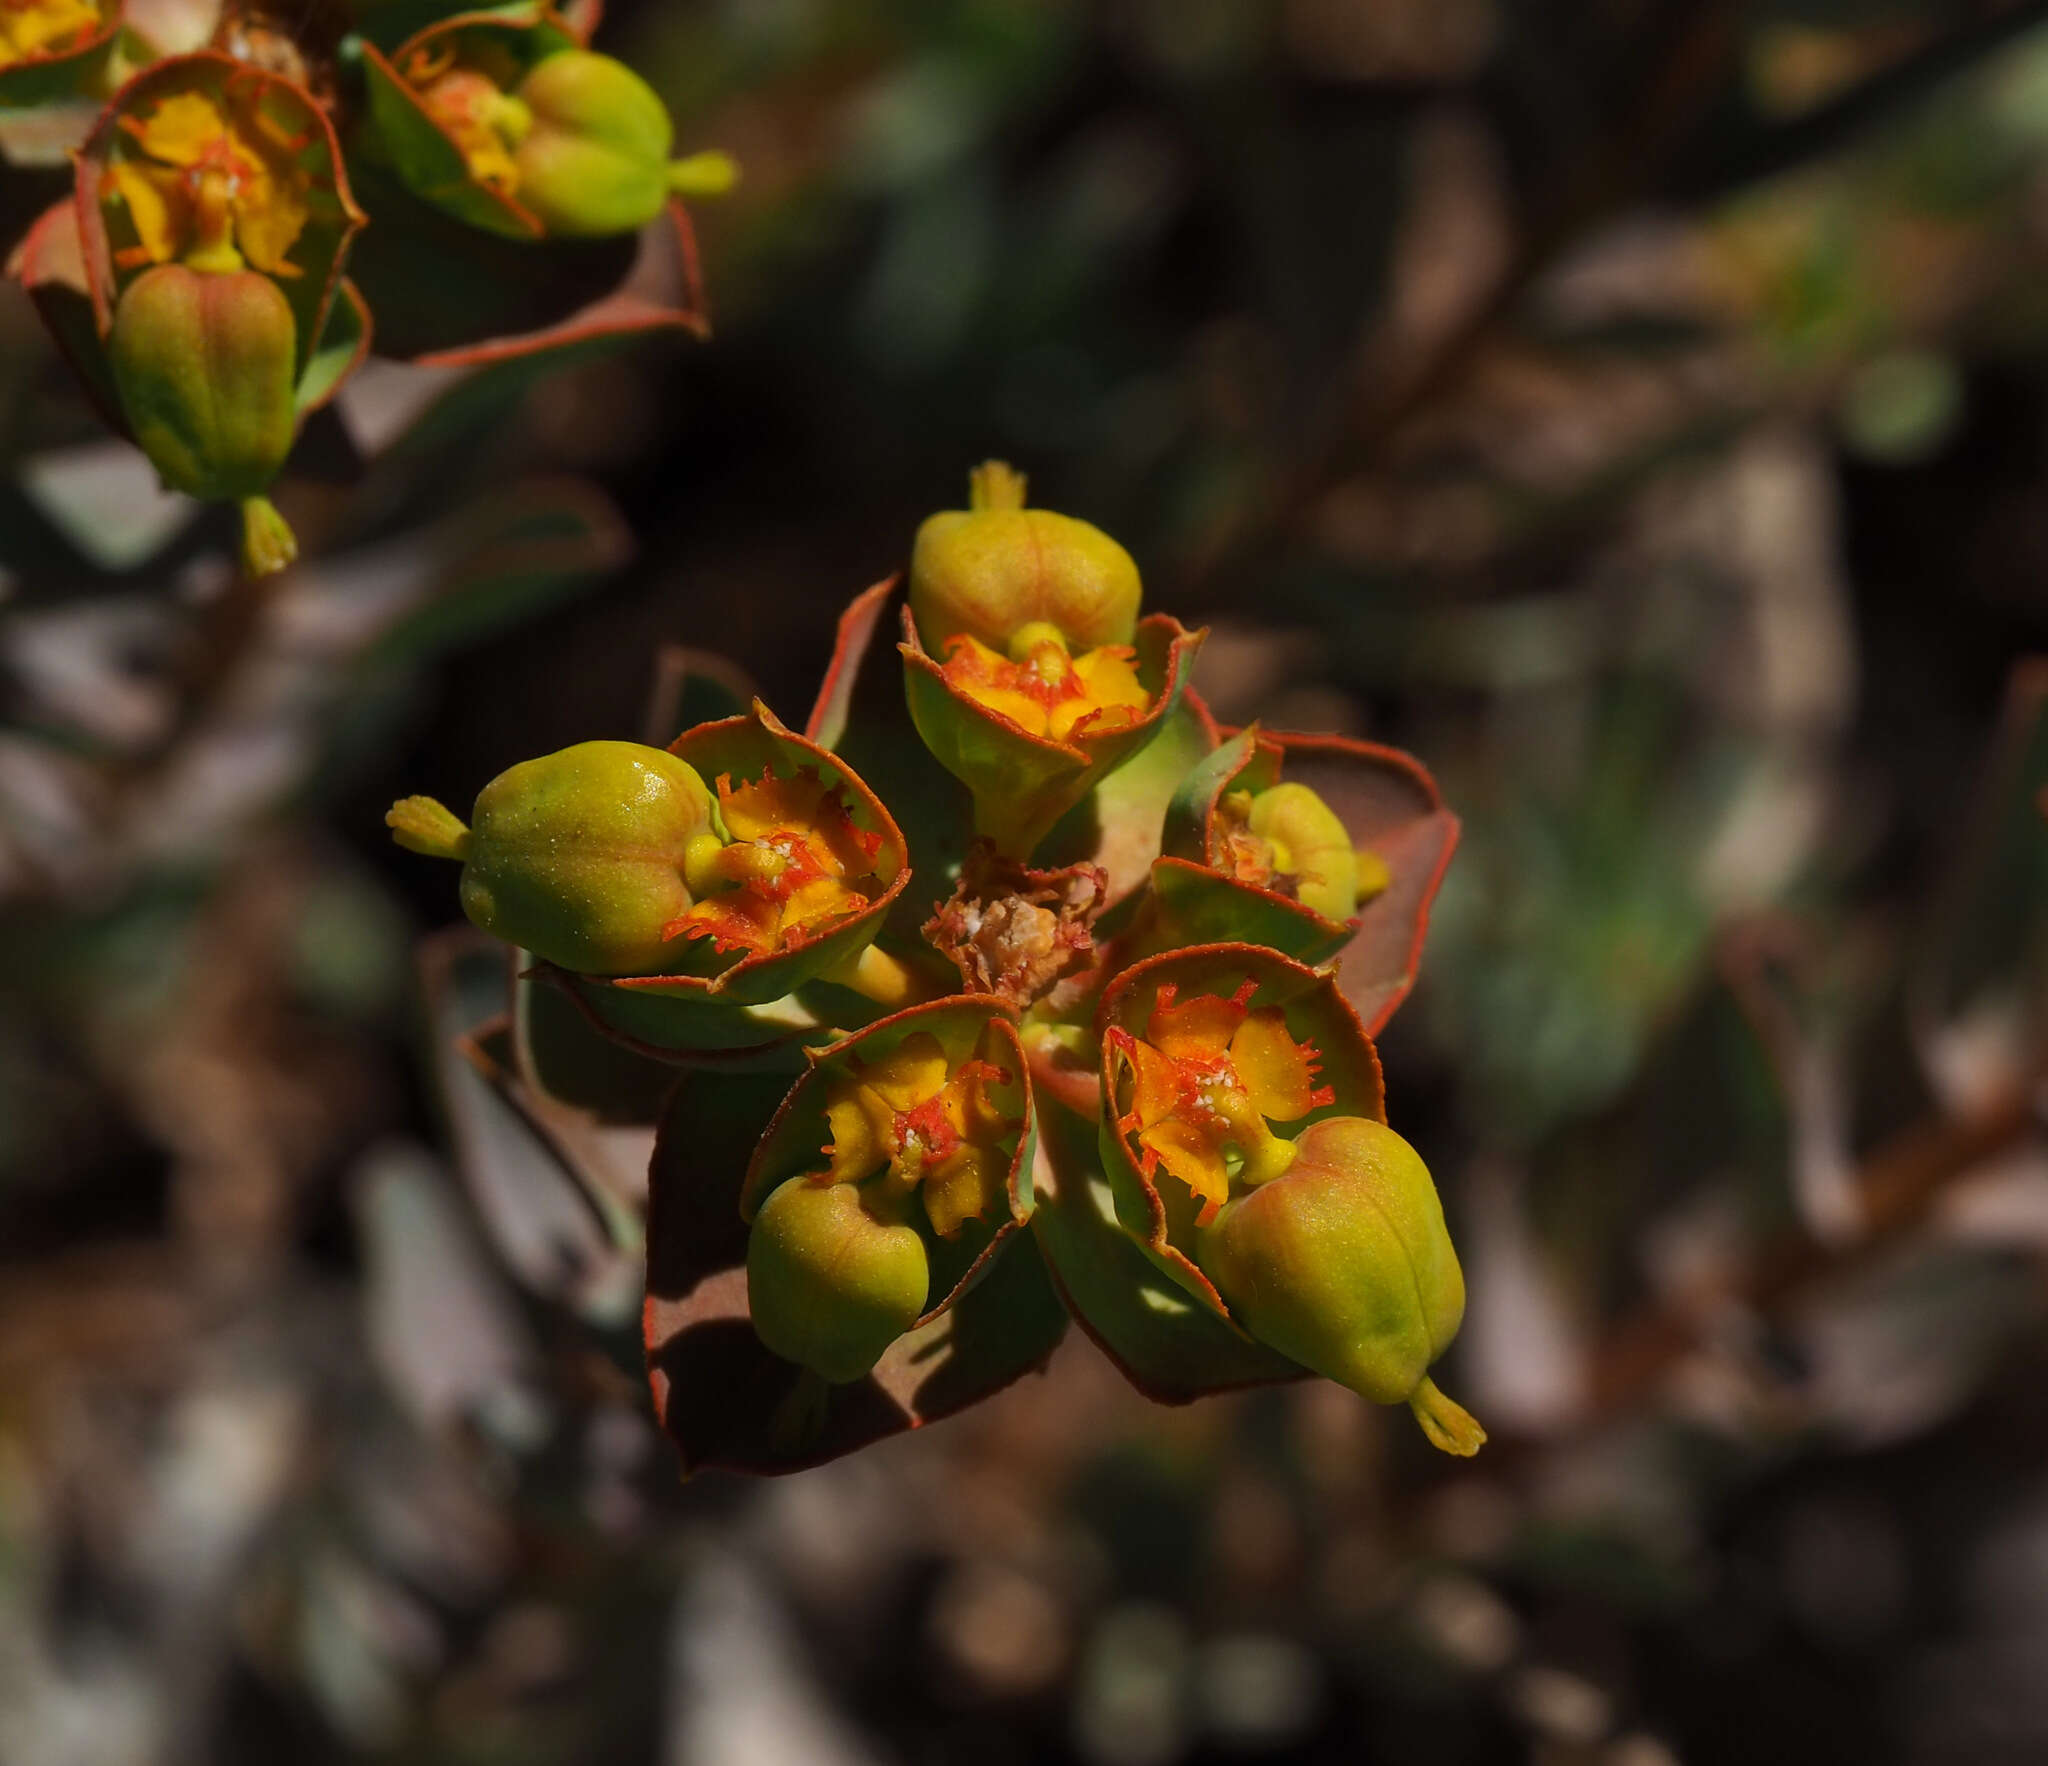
(998,568)
(593,160)
(834,1275)
(578,856)
(203,361)
(1343,1263)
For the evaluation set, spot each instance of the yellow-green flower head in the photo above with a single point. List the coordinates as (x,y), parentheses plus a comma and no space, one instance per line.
(578,140)
(1198,1093)
(211,183)
(837,1268)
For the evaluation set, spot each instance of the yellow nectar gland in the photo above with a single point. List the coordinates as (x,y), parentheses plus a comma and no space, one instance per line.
(1288,840)
(794,865)
(1205,1081)
(29,28)
(485,122)
(210,183)
(937,1128)
(1044,690)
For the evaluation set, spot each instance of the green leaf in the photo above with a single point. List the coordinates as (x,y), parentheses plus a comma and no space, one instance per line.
(567,1059)
(861,716)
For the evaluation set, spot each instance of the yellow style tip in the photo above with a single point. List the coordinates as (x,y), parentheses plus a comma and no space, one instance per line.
(268,543)
(422,825)
(1450,1427)
(995,484)
(703,174)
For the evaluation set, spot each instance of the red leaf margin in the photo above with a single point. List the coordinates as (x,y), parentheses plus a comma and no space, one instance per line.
(667,255)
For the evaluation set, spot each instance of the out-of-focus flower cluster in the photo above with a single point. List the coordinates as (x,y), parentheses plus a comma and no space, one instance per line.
(198,278)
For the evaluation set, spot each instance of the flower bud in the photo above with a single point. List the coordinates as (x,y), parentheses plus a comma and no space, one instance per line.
(204,363)
(835,1273)
(593,157)
(1012,578)
(1343,1263)
(578,856)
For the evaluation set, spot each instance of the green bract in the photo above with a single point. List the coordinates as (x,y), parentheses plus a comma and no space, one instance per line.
(56,49)
(1081,1065)
(1243,1134)
(1023,781)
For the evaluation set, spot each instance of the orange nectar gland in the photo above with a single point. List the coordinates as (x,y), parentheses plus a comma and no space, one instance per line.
(937,1128)
(210,184)
(1044,690)
(1206,1080)
(43,27)
(793,865)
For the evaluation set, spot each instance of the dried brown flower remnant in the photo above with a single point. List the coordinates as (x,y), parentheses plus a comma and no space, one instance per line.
(1014,931)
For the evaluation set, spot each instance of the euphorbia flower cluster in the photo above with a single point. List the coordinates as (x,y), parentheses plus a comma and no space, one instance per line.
(1076,1024)
(197,278)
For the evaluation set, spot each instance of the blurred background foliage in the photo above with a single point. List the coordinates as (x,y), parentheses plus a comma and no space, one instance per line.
(1637,409)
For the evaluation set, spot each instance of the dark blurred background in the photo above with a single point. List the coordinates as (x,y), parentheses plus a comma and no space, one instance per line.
(1637,409)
